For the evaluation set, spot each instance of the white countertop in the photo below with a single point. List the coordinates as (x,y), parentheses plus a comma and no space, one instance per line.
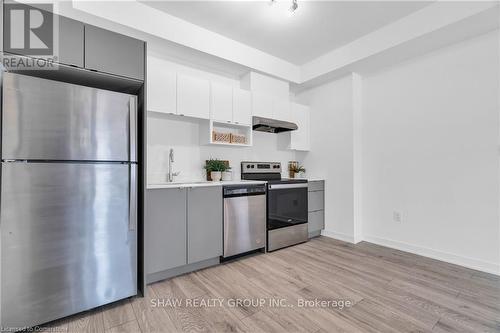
(202,184)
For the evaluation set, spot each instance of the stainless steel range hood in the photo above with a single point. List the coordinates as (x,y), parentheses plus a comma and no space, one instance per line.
(272,125)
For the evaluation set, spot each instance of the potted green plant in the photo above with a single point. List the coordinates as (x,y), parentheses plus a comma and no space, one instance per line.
(227,174)
(215,168)
(295,169)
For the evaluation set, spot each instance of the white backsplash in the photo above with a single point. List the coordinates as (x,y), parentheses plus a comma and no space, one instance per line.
(183,135)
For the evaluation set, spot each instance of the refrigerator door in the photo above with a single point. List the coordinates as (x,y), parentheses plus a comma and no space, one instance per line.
(68,241)
(51,120)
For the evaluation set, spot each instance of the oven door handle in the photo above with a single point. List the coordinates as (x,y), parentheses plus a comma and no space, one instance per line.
(286,186)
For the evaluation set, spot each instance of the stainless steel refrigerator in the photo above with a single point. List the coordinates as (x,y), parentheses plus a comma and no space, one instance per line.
(68,199)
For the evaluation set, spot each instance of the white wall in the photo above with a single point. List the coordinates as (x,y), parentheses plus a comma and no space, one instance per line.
(183,135)
(426,143)
(331,155)
(430,130)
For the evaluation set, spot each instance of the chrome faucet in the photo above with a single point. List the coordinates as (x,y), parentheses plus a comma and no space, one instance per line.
(171,175)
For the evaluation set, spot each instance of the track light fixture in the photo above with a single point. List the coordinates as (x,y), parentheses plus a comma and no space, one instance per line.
(293,7)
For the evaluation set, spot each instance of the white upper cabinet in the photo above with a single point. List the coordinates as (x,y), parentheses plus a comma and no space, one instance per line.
(221,102)
(262,105)
(269,107)
(242,106)
(193,97)
(162,87)
(300,138)
(281,110)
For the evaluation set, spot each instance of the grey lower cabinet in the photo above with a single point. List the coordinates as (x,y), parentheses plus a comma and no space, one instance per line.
(113,53)
(204,223)
(183,230)
(316,207)
(316,220)
(165,229)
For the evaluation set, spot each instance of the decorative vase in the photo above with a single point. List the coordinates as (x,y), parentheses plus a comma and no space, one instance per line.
(227,175)
(215,175)
(292,165)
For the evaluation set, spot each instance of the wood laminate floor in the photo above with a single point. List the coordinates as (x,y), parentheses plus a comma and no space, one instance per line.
(390,291)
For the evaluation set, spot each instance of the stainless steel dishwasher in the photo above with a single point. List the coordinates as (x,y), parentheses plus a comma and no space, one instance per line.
(244,218)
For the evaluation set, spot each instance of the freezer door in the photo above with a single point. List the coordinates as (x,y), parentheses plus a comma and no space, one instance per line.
(51,120)
(67,241)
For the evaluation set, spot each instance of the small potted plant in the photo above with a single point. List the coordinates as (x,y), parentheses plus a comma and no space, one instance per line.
(227,174)
(215,168)
(296,169)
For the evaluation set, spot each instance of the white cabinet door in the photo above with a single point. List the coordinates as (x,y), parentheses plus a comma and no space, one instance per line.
(162,87)
(262,105)
(300,139)
(221,102)
(282,110)
(193,97)
(242,106)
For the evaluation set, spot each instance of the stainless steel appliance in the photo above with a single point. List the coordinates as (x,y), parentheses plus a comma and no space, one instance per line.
(272,125)
(68,199)
(244,218)
(286,204)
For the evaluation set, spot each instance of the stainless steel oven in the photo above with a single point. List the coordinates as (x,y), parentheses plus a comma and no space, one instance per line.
(286,204)
(287,213)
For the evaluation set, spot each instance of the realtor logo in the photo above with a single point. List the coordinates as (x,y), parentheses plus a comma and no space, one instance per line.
(29,30)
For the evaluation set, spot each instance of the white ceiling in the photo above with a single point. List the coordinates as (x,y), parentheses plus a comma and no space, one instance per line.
(316,28)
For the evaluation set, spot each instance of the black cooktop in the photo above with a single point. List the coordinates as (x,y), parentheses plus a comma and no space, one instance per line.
(287,181)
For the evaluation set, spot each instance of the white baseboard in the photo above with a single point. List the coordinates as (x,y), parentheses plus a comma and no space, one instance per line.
(484,266)
(338,235)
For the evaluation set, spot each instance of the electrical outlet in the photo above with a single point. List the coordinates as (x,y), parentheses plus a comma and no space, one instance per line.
(396,216)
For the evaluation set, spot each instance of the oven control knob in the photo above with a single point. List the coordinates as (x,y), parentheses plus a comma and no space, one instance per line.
(248,166)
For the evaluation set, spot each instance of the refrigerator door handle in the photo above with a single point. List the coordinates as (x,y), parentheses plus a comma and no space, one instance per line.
(132,222)
(132,105)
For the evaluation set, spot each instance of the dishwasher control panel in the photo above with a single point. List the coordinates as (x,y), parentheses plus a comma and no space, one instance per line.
(241,190)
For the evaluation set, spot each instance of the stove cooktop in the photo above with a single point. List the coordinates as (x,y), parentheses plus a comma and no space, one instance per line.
(268,171)
(287,181)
